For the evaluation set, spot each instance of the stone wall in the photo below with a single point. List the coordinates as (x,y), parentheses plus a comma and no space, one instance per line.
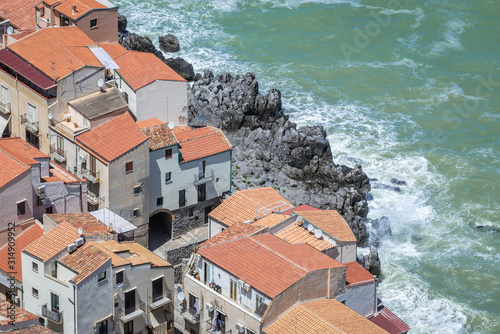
(183,222)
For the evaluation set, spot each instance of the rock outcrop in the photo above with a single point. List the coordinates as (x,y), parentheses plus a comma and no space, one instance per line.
(122,23)
(270,151)
(370,262)
(169,43)
(181,66)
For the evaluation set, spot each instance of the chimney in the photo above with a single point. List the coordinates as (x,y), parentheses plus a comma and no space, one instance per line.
(74,9)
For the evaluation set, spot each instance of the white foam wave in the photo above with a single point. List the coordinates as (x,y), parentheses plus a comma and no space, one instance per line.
(417,12)
(453,30)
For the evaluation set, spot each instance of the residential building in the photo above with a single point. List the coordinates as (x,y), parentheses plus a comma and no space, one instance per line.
(14,319)
(93,228)
(247,206)
(19,13)
(142,289)
(245,278)
(31,185)
(152,89)
(96,18)
(190,171)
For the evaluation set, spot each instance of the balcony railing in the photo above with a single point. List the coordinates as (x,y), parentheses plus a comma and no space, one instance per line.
(158,301)
(92,198)
(202,179)
(30,124)
(54,316)
(209,328)
(161,328)
(193,318)
(5,108)
(57,154)
(133,312)
(90,175)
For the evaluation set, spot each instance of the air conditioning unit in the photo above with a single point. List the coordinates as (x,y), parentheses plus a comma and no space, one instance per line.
(247,287)
(210,307)
(41,189)
(82,158)
(42,196)
(240,328)
(71,247)
(79,242)
(15,299)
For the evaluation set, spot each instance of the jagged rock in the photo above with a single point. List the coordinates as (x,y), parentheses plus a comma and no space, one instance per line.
(137,43)
(271,151)
(385,186)
(122,23)
(182,67)
(169,43)
(398,182)
(380,228)
(370,262)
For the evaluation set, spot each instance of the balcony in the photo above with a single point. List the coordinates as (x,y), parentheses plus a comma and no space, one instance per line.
(209,328)
(31,125)
(69,129)
(57,154)
(90,175)
(5,108)
(54,316)
(193,318)
(92,198)
(131,313)
(200,179)
(155,302)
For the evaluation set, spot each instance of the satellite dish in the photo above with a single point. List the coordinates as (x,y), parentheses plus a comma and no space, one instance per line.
(180,296)
(171,125)
(318,233)
(50,116)
(80,231)
(305,224)
(10,30)
(201,118)
(300,219)
(310,228)
(100,83)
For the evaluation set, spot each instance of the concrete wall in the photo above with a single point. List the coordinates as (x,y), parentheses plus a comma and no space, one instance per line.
(215,227)
(131,94)
(360,298)
(344,255)
(106,30)
(16,190)
(184,223)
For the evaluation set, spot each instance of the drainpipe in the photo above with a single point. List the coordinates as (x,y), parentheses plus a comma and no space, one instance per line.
(74,308)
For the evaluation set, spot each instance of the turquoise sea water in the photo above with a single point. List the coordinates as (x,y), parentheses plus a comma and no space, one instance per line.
(413,90)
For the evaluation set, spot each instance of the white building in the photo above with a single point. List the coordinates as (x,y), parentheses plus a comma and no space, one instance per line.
(190,170)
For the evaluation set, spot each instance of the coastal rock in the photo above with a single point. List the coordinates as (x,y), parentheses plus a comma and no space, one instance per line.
(399,182)
(379,228)
(370,262)
(182,67)
(122,23)
(169,43)
(137,43)
(270,151)
(386,186)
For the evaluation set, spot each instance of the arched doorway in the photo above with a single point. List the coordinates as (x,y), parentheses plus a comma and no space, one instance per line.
(160,228)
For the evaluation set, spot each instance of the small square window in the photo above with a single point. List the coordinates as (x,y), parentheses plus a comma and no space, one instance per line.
(191,212)
(35,267)
(48,209)
(136,213)
(93,23)
(168,176)
(119,277)
(129,167)
(101,276)
(168,153)
(159,201)
(34,292)
(137,190)
(21,208)
(125,96)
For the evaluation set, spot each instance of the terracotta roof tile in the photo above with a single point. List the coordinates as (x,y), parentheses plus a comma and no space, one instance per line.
(355,274)
(21,13)
(53,242)
(138,254)
(116,260)
(271,220)
(242,206)
(90,225)
(20,315)
(114,138)
(295,234)
(236,231)
(148,123)
(303,207)
(160,136)
(20,35)
(30,235)
(113,50)
(85,260)
(330,222)
(34,329)
(11,168)
(202,142)
(265,262)
(82,7)
(57,174)
(57,52)
(143,252)
(323,316)
(20,150)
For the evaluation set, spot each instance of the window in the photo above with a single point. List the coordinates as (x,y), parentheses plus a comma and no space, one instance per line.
(35,267)
(206,272)
(55,302)
(49,209)
(101,276)
(119,277)
(137,190)
(182,198)
(191,212)
(34,292)
(31,113)
(102,327)
(54,269)
(128,328)
(135,213)
(168,153)
(93,23)
(159,201)
(129,167)
(157,289)
(194,307)
(168,177)
(4,97)
(21,208)
(60,146)
(249,331)
(202,192)
(129,302)
(234,289)
(125,95)
(258,301)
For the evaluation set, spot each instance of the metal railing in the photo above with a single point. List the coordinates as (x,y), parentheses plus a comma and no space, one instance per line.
(90,175)
(55,316)
(92,198)
(193,318)
(5,108)
(57,154)
(29,124)
(154,299)
(209,328)
(138,307)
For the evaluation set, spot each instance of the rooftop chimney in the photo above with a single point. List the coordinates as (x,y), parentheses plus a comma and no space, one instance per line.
(74,9)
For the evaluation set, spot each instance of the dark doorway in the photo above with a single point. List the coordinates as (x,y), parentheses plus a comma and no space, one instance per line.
(208,209)
(160,229)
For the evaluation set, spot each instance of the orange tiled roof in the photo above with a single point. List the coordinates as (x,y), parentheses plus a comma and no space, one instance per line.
(303,207)
(242,206)
(53,242)
(330,222)
(112,139)
(271,220)
(59,175)
(21,13)
(20,150)
(265,262)
(356,274)
(82,7)
(325,316)
(235,231)
(148,123)
(160,136)
(24,239)
(85,260)
(89,224)
(202,142)
(116,260)
(57,52)
(295,234)
(20,35)
(20,315)
(11,168)
(138,254)
(34,329)
(114,50)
